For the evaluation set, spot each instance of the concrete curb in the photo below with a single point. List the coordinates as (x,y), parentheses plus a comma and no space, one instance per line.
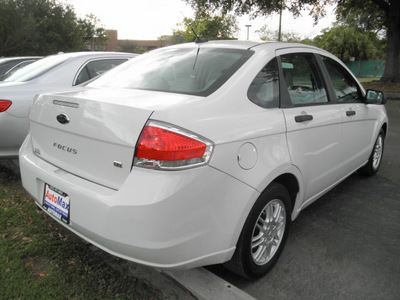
(167,286)
(392,96)
(204,285)
(190,284)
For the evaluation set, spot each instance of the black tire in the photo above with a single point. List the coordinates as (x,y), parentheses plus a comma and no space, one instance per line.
(251,260)
(375,158)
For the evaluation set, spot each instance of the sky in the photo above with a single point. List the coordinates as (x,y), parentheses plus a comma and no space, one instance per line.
(150,19)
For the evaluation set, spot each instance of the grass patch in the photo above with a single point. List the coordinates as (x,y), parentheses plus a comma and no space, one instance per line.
(368,79)
(39,259)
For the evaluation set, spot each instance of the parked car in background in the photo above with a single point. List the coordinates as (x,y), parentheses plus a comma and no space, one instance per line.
(201,153)
(48,74)
(11,64)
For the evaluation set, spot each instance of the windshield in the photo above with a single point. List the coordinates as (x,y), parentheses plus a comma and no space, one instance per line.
(194,71)
(35,69)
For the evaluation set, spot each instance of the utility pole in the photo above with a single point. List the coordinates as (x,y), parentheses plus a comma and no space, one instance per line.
(248,26)
(280,21)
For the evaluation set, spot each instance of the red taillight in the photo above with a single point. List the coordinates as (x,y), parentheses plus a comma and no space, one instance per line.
(165,147)
(4,105)
(161,144)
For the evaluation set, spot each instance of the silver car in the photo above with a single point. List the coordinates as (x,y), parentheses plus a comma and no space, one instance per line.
(48,74)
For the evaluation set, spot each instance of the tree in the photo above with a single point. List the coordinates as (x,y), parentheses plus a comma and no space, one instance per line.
(347,42)
(92,31)
(42,27)
(38,27)
(207,26)
(377,15)
(368,18)
(387,10)
(17,34)
(267,34)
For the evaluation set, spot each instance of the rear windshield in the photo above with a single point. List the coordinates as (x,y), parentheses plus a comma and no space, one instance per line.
(194,71)
(35,69)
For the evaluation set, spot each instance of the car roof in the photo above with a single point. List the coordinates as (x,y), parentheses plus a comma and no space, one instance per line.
(93,53)
(247,45)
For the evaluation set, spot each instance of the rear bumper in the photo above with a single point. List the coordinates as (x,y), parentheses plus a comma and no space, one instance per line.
(163,219)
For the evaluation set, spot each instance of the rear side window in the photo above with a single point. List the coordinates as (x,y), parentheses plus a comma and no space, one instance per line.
(96,68)
(303,79)
(36,69)
(20,66)
(264,90)
(346,89)
(194,71)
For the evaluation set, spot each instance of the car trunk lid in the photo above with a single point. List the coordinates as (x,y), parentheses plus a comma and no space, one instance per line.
(90,133)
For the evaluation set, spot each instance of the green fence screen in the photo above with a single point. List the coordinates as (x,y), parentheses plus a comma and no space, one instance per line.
(366,68)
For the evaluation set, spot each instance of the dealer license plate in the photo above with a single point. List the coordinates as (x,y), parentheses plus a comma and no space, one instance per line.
(56,203)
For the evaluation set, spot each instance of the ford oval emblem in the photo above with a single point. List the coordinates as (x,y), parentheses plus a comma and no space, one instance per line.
(63,119)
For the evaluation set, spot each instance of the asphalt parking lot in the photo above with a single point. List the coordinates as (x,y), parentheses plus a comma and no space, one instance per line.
(347,244)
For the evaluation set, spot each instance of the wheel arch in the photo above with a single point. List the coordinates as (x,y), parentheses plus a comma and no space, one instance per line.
(385,128)
(290,182)
(290,178)
(238,263)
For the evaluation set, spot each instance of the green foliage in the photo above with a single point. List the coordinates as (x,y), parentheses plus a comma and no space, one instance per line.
(366,15)
(43,27)
(346,42)
(357,33)
(380,17)
(39,27)
(207,26)
(92,31)
(261,7)
(267,34)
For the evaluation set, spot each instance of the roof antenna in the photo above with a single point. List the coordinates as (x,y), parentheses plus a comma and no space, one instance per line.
(198,40)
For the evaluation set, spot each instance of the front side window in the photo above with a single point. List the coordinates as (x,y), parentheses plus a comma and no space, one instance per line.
(194,71)
(303,79)
(96,68)
(264,90)
(346,89)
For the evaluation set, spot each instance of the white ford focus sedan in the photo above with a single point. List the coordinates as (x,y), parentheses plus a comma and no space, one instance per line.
(201,153)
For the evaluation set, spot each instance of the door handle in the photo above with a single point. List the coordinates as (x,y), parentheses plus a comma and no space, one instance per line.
(303,118)
(350,113)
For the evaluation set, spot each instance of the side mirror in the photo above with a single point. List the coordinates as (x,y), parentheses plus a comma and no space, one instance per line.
(375,97)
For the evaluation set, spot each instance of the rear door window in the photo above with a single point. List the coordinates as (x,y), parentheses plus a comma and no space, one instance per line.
(303,79)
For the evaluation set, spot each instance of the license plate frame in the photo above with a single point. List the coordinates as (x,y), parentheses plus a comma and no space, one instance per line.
(56,203)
